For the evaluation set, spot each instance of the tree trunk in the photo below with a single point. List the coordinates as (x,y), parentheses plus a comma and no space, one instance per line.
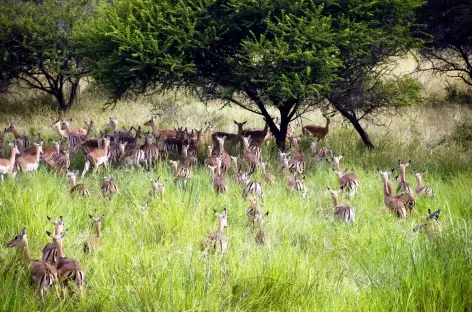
(59,94)
(355,123)
(281,136)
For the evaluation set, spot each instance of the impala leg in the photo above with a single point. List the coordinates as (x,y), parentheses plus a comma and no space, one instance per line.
(86,168)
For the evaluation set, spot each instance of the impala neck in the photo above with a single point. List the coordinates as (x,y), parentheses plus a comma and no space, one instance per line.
(184,152)
(13,156)
(336,165)
(15,133)
(60,251)
(220,225)
(335,199)
(72,180)
(154,129)
(98,229)
(38,153)
(62,133)
(26,251)
(418,180)
(386,188)
(402,173)
(218,167)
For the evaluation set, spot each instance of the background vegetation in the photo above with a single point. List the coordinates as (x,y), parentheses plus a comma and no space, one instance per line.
(153,261)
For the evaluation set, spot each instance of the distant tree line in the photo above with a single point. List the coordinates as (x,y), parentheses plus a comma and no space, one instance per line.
(294,55)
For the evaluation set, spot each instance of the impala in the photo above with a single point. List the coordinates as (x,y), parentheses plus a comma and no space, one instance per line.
(217,240)
(94,241)
(43,274)
(7,165)
(97,157)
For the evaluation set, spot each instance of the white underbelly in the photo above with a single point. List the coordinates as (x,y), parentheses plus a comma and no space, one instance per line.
(31,167)
(4,169)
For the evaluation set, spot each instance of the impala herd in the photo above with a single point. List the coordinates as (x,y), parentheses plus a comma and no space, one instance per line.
(184,150)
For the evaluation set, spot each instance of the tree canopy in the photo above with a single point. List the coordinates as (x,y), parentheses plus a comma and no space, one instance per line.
(36,48)
(255,54)
(447,26)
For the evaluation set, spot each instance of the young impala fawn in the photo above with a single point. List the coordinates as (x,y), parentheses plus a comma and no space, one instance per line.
(430,225)
(94,241)
(420,188)
(158,188)
(82,189)
(43,274)
(109,186)
(342,212)
(217,240)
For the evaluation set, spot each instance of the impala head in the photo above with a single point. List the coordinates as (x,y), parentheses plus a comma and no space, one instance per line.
(150,122)
(185,148)
(158,186)
(418,174)
(282,155)
(58,224)
(122,146)
(384,174)
(11,128)
(96,220)
(221,141)
(212,170)
(138,133)
(56,123)
(433,215)
(19,240)
(234,160)
(113,122)
(14,148)
(174,164)
(107,178)
(246,141)
(222,217)
(244,176)
(209,127)
(335,159)
(39,147)
(240,125)
(403,165)
(260,217)
(57,238)
(74,173)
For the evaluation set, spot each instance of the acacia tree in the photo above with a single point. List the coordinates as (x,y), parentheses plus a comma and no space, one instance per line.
(36,48)
(447,28)
(254,54)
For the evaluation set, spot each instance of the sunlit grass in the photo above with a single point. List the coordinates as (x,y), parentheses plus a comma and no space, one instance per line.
(310,262)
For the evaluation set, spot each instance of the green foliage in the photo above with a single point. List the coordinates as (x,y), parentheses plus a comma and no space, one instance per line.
(36,49)
(254,54)
(220,47)
(404,91)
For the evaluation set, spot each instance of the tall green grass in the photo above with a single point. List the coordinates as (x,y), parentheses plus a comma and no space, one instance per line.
(310,262)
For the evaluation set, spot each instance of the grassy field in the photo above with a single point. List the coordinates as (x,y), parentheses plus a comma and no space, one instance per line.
(310,262)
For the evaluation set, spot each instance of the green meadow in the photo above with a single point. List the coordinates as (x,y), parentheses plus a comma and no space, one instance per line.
(153,261)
